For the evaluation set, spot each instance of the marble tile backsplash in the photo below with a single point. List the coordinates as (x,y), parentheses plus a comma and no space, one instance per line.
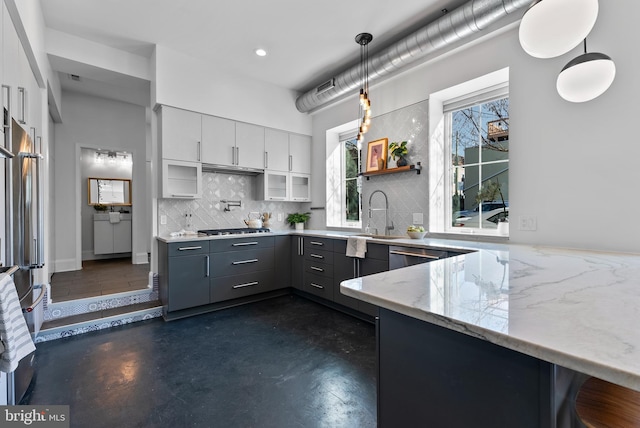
(208,212)
(407,192)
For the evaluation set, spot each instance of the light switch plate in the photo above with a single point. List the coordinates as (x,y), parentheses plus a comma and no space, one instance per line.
(418,218)
(527,222)
(163,219)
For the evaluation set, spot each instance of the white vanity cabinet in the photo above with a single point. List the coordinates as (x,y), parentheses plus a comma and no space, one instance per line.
(111,238)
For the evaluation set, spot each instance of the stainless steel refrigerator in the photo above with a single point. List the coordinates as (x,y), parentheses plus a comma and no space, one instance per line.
(24,243)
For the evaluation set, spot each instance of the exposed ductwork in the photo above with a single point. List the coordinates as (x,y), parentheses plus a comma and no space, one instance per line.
(468,19)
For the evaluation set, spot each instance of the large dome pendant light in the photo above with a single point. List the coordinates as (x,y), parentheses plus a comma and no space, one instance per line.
(586,76)
(364,108)
(550,28)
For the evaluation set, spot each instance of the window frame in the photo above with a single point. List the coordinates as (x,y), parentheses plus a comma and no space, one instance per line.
(482,89)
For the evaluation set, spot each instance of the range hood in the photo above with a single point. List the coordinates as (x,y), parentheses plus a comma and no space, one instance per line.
(229,169)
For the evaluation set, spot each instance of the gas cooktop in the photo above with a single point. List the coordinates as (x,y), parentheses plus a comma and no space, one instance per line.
(238,231)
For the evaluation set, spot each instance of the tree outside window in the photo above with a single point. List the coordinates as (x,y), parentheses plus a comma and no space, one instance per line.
(351,180)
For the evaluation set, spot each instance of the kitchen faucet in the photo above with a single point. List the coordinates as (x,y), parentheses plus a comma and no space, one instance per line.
(387,228)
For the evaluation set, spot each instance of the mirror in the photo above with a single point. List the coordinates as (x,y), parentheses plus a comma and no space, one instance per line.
(109,191)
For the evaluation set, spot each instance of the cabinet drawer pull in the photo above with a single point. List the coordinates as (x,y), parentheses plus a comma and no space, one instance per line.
(317,256)
(248,284)
(242,244)
(241,262)
(316,243)
(316,285)
(208,264)
(189,248)
(406,253)
(316,268)
(181,195)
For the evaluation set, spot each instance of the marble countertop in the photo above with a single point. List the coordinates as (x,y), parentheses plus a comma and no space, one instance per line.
(577,309)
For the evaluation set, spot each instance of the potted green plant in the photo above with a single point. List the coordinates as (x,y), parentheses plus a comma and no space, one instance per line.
(298,219)
(399,150)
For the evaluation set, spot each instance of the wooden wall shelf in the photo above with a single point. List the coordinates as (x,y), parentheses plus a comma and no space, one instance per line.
(417,167)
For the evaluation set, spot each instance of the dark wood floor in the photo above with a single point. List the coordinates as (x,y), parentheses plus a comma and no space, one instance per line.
(99,277)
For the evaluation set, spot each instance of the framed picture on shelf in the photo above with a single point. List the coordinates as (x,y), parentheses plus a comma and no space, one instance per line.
(377,154)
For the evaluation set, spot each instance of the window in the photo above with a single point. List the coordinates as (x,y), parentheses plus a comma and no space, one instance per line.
(343,184)
(352,181)
(479,163)
(469,156)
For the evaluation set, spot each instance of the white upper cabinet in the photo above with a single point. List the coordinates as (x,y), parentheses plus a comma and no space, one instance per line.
(276,150)
(218,140)
(300,153)
(249,146)
(181,134)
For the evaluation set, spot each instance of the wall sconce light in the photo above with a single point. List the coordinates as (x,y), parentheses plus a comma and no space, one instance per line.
(550,28)
(364,109)
(99,159)
(586,76)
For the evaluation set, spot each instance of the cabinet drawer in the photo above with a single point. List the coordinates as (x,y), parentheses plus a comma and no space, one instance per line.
(232,287)
(374,251)
(318,243)
(316,255)
(240,244)
(318,268)
(188,248)
(319,285)
(241,262)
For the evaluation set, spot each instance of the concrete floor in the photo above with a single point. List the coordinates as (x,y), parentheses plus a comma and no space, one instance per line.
(283,362)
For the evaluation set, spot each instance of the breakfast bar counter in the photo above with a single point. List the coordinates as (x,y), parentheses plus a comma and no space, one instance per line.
(552,308)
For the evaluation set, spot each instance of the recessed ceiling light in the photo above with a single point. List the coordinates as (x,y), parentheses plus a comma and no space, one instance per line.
(261,52)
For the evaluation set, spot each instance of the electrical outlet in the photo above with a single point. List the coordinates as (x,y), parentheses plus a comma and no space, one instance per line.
(418,218)
(163,219)
(279,216)
(527,222)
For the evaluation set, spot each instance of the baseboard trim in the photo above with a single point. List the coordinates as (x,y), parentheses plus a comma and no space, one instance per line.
(141,258)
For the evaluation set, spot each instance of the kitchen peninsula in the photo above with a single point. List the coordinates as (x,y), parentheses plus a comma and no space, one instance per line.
(499,322)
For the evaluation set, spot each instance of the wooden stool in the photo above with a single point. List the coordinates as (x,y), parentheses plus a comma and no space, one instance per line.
(602,404)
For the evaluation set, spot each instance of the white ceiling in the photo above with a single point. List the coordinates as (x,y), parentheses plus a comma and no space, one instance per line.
(307,40)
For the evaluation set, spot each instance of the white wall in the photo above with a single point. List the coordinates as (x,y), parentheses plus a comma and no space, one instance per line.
(96,123)
(566,159)
(182,81)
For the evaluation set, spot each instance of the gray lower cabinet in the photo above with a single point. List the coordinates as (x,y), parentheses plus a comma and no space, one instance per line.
(318,267)
(432,376)
(283,261)
(198,273)
(184,274)
(241,267)
(376,260)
